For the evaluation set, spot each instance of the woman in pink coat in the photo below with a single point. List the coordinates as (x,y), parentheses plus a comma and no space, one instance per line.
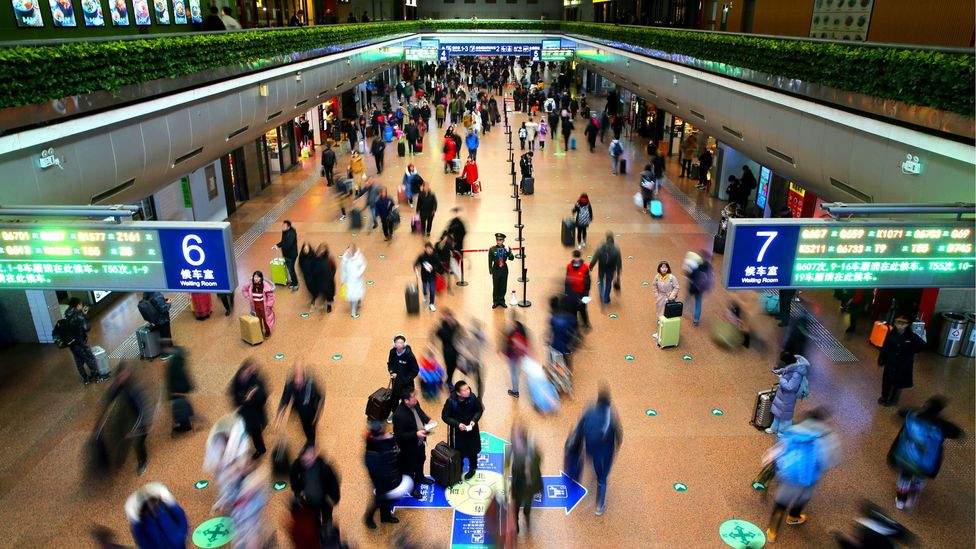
(260,294)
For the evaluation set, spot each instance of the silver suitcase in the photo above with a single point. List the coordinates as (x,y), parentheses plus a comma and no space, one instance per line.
(762,417)
(101,361)
(149,346)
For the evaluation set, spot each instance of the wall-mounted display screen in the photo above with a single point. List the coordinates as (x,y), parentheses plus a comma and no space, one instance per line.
(161,7)
(196,16)
(762,193)
(179,12)
(119,12)
(91,11)
(141,9)
(828,253)
(63,13)
(27,13)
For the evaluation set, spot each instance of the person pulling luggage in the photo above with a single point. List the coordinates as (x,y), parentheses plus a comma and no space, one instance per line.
(462,412)
(409,428)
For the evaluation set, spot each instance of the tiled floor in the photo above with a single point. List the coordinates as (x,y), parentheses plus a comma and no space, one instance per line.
(46,415)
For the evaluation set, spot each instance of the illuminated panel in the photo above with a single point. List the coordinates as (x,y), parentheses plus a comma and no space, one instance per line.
(163,256)
(825,253)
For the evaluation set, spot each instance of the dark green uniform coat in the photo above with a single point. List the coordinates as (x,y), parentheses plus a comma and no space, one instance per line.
(498,258)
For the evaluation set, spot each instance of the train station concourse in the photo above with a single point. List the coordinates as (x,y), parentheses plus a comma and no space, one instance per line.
(607,274)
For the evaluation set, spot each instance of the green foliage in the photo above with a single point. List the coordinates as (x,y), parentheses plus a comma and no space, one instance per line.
(34,74)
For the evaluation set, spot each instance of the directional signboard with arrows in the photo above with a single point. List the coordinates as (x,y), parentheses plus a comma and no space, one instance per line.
(470,498)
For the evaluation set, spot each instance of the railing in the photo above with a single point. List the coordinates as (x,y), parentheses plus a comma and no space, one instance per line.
(42,72)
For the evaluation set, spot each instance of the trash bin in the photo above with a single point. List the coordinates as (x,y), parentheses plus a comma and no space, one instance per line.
(969,339)
(950,339)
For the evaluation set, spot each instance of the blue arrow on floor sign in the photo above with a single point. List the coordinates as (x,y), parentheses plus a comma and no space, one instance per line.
(468,528)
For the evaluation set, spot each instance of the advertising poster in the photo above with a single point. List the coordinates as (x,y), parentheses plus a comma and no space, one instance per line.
(63,13)
(196,16)
(841,19)
(179,12)
(161,7)
(141,7)
(27,13)
(91,10)
(762,194)
(120,13)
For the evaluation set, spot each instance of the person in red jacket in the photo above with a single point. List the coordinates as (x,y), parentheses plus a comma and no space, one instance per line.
(470,174)
(450,152)
(578,286)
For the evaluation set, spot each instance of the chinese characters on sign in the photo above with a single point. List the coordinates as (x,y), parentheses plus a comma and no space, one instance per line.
(532,50)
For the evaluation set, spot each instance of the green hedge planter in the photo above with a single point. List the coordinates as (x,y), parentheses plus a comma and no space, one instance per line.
(35,74)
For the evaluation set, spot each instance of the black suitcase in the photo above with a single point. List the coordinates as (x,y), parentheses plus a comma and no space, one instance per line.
(412,297)
(623,166)
(445,465)
(401,149)
(718,245)
(673,309)
(461,186)
(280,460)
(182,411)
(567,236)
(355,219)
(380,404)
(762,416)
(528,185)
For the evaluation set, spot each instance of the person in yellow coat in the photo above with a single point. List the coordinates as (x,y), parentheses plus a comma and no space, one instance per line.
(357,165)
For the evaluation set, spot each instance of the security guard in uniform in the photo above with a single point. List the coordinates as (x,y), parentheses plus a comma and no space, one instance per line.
(498,257)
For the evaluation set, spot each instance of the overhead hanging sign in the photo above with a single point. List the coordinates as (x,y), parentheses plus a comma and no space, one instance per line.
(142,255)
(421,54)
(828,253)
(560,54)
(532,50)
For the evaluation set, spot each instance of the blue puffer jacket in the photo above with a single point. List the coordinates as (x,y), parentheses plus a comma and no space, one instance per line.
(789,383)
(162,527)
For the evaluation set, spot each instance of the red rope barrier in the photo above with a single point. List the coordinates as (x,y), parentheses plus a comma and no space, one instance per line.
(485,250)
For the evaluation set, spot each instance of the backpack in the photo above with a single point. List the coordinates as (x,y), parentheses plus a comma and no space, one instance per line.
(149,312)
(63,334)
(919,445)
(703,279)
(523,133)
(618,149)
(799,463)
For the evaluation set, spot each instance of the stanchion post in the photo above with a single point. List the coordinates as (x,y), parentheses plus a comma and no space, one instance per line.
(462,282)
(525,280)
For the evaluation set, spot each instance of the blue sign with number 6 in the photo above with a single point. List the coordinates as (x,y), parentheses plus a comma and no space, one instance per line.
(197,259)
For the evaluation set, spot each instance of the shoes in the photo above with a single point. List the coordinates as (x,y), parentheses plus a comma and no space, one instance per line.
(600,509)
(770,431)
(391,520)
(342,218)
(370,523)
(793,521)
(100,379)
(328,308)
(425,480)
(256,455)
(655,336)
(882,401)
(503,306)
(513,393)
(470,474)
(584,243)
(432,308)
(165,356)
(415,494)
(226,313)
(141,470)
(899,504)
(888,403)
(87,381)
(770,536)
(495,305)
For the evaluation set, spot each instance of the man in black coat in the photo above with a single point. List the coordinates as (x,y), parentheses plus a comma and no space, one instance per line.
(457,230)
(898,360)
(381,463)
(525,164)
(461,412)
(303,394)
(289,250)
(412,133)
(377,149)
(328,164)
(409,420)
(402,365)
(250,395)
(315,484)
(426,208)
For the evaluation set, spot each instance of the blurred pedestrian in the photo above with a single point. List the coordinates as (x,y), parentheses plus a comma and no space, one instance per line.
(131,393)
(306,399)
(248,510)
(75,337)
(608,260)
(701,278)
(462,412)
(526,471)
(897,357)
(471,344)
(250,395)
(306,265)
(315,485)
(353,272)
(323,272)
(178,389)
(578,286)
(385,208)
(410,429)
(804,452)
(426,208)
(447,332)
(515,347)
(381,464)
(917,450)
(599,429)
(226,454)
(157,521)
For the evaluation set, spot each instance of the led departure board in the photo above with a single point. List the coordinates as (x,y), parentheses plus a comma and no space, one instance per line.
(150,255)
(828,253)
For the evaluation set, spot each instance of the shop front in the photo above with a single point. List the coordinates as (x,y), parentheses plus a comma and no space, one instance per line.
(282,146)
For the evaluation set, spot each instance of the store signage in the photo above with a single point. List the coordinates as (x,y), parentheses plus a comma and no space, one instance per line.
(48,159)
(794,199)
(762,194)
(532,50)
(911,165)
(828,253)
(552,44)
(142,255)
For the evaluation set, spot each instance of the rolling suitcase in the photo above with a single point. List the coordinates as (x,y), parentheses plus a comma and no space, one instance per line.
(762,416)
(251,330)
(415,224)
(461,186)
(380,404)
(279,273)
(572,143)
(718,244)
(528,185)
(182,413)
(149,346)
(101,361)
(695,171)
(657,209)
(878,333)
(401,195)
(668,331)
(401,149)
(445,465)
(566,236)
(418,148)
(202,305)
(412,297)
(673,309)
(622,166)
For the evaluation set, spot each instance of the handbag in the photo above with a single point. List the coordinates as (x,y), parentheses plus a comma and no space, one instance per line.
(673,309)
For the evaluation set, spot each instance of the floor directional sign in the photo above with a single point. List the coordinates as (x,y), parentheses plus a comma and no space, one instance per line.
(470,498)
(742,534)
(215,532)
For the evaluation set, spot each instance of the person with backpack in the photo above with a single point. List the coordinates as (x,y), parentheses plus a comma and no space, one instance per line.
(916,452)
(155,518)
(897,357)
(583,210)
(609,262)
(802,455)
(794,383)
(648,187)
(154,309)
(701,278)
(72,332)
(599,432)
(523,134)
(616,152)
